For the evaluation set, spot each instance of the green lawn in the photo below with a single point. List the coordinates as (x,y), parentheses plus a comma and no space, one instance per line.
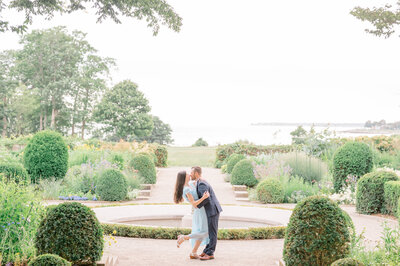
(191,156)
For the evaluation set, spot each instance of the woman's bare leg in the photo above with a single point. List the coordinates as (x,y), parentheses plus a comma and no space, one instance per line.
(196,246)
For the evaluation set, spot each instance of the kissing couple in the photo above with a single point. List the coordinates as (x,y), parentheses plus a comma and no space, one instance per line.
(198,192)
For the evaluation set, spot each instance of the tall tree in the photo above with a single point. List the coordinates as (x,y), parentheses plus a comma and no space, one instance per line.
(384,19)
(124,112)
(155,12)
(8,83)
(48,62)
(161,133)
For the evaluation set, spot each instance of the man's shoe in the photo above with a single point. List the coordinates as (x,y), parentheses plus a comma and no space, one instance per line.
(207,257)
(202,254)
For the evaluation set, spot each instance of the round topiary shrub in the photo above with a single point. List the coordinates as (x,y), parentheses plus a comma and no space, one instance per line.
(145,167)
(14,171)
(112,185)
(243,174)
(270,191)
(317,233)
(353,158)
(370,197)
(46,156)
(347,262)
(71,231)
(49,260)
(232,161)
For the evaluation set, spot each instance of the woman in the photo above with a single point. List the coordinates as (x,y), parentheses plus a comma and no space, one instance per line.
(186,189)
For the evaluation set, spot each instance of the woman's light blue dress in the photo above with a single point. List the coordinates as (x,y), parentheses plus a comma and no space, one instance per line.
(199,218)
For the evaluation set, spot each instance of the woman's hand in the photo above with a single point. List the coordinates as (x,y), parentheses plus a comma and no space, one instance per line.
(206,195)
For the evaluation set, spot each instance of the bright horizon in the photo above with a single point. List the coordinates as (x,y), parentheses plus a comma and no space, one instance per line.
(286,61)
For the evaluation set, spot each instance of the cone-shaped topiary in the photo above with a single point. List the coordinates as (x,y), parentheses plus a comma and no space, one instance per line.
(49,260)
(317,233)
(347,262)
(243,174)
(46,156)
(161,153)
(145,167)
(353,158)
(233,160)
(370,197)
(112,185)
(270,191)
(71,231)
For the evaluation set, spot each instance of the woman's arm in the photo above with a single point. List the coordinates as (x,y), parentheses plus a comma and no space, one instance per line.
(197,202)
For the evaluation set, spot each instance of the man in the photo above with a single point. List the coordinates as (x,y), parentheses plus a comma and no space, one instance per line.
(213,209)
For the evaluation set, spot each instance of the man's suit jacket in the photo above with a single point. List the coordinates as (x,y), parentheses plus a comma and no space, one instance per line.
(211,204)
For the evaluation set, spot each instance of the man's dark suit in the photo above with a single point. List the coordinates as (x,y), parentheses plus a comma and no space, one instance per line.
(213,208)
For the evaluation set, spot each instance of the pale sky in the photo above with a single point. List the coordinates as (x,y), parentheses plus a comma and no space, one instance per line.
(252,61)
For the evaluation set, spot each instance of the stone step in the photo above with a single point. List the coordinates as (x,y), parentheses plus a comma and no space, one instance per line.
(243,199)
(239,188)
(142,198)
(241,194)
(145,186)
(145,193)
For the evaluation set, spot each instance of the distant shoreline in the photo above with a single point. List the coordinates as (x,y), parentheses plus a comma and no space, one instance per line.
(372,131)
(310,124)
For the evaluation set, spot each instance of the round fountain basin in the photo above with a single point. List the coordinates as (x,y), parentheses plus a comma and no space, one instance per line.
(225,222)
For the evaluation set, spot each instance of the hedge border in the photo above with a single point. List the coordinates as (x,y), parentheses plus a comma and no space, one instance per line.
(122,230)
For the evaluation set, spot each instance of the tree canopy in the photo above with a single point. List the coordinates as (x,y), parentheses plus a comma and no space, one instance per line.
(384,19)
(154,12)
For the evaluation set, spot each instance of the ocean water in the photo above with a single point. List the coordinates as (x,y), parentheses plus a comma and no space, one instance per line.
(261,135)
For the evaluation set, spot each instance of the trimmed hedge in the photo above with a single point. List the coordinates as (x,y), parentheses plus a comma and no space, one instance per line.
(49,260)
(243,174)
(270,190)
(392,196)
(46,156)
(224,151)
(112,185)
(14,171)
(347,262)
(232,161)
(353,158)
(71,231)
(317,234)
(161,153)
(145,167)
(172,233)
(370,191)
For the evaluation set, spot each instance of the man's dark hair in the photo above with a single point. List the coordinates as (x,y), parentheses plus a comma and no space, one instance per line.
(197,169)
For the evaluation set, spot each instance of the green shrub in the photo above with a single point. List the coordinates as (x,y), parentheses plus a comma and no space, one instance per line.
(18,204)
(347,262)
(200,143)
(14,171)
(295,189)
(46,156)
(270,191)
(112,186)
(317,233)
(370,191)
(79,157)
(224,151)
(243,174)
(353,158)
(232,161)
(145,167)
(49,260)
(391,195)
(118,160)
(224,169)
(311,169)
(161,153)
(71,231)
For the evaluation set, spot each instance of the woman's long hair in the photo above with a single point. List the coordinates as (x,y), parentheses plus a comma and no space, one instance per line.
(180,183)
